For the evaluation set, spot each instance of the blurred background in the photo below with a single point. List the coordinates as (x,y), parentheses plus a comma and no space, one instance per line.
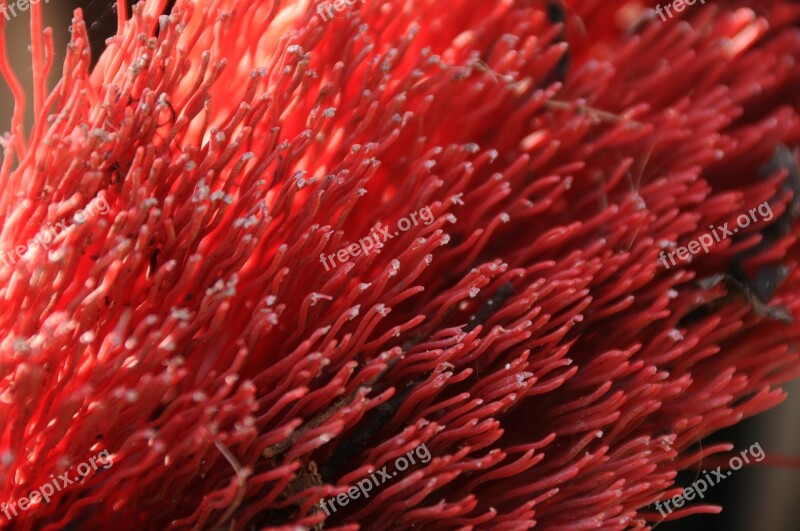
(754,498)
